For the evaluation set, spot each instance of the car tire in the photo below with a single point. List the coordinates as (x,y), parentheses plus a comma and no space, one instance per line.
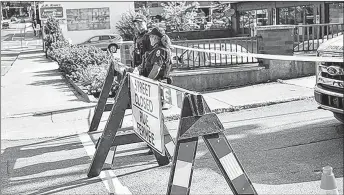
(113,48)
(339,117)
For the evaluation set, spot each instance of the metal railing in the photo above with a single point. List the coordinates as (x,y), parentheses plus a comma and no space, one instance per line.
(189,59)
(309,37)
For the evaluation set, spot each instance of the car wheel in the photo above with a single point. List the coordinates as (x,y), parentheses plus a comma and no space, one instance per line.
(339,117)
(112,48)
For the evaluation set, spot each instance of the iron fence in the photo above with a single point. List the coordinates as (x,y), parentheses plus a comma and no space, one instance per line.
(189,59)
(309,37)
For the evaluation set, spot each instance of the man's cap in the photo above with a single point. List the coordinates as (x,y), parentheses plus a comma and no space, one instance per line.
(140,17)
(157,31)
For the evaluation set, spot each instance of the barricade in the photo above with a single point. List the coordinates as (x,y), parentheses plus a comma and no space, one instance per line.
(110,139)
(196,121)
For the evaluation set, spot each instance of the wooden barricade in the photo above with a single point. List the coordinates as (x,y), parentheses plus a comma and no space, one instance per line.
(196,121)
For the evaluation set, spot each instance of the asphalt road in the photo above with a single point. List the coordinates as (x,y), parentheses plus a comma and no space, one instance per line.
(278,146)
(281,147)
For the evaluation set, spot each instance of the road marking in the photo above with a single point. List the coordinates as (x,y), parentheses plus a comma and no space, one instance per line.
(111,182)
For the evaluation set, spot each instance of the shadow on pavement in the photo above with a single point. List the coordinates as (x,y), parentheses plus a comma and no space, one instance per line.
(289,155)
(48,73)
(45,167)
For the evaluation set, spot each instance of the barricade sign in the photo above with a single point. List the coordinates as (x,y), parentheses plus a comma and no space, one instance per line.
(146,114)
(146,111)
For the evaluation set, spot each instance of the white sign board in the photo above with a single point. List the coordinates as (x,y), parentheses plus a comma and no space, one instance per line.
(146,109)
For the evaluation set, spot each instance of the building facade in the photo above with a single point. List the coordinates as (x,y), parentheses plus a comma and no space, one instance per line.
(80,21)
(156,9)
(250,14)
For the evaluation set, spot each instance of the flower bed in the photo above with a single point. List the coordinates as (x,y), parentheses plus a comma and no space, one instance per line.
(85,65)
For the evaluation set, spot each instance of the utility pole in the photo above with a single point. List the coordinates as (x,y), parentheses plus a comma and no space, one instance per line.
(34,9)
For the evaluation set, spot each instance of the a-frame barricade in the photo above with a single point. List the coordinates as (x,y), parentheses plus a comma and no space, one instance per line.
(104,95)
(197,120)
(109,138)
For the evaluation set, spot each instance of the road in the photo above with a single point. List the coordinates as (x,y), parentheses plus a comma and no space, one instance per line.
(281,147)
(278,146)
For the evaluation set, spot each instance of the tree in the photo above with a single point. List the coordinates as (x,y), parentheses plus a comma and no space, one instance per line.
(53,33)
(126,27)
(180,15)
(221,12)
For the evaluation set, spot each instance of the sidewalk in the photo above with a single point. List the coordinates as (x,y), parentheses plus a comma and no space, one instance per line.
(34,84)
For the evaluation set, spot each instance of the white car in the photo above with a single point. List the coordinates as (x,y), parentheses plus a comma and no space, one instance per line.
(109,42)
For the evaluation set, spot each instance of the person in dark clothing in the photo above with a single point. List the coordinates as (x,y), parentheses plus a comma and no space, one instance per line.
(141,39)
(157,62)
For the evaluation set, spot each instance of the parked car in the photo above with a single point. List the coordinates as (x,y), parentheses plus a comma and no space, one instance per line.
(5,24)
(329,88)
(109,42)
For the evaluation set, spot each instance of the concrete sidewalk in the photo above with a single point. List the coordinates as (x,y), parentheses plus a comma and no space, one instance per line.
(34,84)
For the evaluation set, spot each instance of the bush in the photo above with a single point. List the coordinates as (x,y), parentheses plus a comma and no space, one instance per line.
(53,33)
(73,58)
(85,64)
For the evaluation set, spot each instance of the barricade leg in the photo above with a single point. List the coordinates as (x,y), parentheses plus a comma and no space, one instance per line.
(185,151)
(182,167)
(169,143)
(228,163)
(98,112)
(110,130)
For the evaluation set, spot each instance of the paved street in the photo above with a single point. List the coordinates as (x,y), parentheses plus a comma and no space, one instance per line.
(282,148)
(46,150)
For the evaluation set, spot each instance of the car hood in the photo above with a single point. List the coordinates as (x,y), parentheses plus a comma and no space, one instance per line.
(333,45)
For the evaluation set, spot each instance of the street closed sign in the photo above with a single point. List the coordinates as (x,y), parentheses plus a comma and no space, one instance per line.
(146,109)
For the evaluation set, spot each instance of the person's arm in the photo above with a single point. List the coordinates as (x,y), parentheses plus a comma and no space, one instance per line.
(155,71)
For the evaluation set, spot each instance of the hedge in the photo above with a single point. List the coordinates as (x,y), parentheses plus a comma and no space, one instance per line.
(86,65)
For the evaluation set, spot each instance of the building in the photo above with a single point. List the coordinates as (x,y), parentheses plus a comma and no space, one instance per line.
(156,9)
(80,21)
(249,14)
(15,9)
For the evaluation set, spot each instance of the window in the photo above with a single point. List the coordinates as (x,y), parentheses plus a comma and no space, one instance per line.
(106,37)
(296,15)
(155,4)
(250,19)
(336,12)
(94,39)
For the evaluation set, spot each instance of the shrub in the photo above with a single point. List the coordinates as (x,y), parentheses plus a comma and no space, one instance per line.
(53,32)
(85,64)
(93,77)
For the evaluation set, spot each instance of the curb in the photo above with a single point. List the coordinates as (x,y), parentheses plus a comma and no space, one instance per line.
(49,111)
(9,54)
(87,98)
(32,51)
(244,107)
(82,93)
